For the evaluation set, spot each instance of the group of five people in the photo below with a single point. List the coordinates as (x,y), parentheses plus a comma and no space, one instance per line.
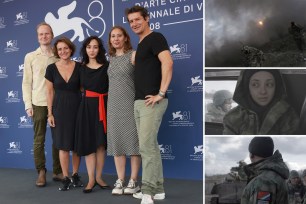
(95,106)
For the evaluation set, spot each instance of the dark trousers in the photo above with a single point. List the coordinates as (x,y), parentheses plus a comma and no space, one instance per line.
(40,122)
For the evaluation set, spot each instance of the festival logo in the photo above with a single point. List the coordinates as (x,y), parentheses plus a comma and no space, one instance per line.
(2,24)
(198,149)
(12,97)
(179,51)
(4,122)
(11,46)
(78,25)
(14,148)
(6,1)
(166,152)
(25,122)
(32,152)
(3,73)
(19,73)
(197,153)
(77,59)
(181,119)
(21,18)
(196,84)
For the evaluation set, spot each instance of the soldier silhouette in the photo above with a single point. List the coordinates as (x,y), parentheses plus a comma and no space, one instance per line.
(298,35)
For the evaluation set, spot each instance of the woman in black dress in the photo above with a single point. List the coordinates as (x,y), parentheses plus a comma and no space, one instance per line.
(63,99)
(91,119)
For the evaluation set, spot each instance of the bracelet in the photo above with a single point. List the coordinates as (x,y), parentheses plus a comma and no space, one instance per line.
(49,115)
(161,94)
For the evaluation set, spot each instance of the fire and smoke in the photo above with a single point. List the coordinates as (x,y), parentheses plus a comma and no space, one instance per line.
(253,23)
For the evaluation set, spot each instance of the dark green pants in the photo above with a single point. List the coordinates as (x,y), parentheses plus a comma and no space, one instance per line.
(40,122)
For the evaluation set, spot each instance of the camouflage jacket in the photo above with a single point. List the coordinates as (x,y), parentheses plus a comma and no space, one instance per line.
(266,181)
(214,114)
(295,193)
(281,118)
(253,57)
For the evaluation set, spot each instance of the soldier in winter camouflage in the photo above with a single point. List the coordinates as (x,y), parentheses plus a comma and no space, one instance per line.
(222,103)
(267,174)
(296,189)
(253,57)
(262,108)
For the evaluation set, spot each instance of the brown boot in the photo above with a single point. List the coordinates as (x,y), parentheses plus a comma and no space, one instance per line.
(41,180)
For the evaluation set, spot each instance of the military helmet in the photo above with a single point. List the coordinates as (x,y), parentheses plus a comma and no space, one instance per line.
(220,96)
(294,174)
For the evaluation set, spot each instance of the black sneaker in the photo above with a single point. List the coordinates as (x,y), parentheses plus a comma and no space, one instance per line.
(76,182)
(66,184)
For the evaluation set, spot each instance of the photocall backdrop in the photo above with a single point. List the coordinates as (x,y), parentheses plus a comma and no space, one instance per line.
(181,22)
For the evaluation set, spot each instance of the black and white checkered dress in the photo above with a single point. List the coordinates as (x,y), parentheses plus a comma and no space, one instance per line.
(122,138)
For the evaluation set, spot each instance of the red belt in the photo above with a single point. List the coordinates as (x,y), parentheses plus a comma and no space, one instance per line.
(102,113)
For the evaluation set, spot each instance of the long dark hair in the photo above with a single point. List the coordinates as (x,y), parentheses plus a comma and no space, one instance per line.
(101,58)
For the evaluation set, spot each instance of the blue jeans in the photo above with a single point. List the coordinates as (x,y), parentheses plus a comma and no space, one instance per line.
(148,121)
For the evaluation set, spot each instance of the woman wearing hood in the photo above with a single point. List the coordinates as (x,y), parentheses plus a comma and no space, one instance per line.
(262,108)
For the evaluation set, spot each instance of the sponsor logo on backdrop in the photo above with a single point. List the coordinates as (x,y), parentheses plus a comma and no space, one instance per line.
(179,51)
(11,46)
(21,18)
(181,119)
(77,59)
(32,152)
(6,1)
(14,148)
(12,97)
(19,73)
(2,24)
(25,122)
(4,122)
(197,153)
(94,26)
(196,84)
(166,152)
(3,73)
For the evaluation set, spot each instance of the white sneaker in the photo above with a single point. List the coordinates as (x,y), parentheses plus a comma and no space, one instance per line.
(118,190)
(147,199)
(132,187)
(158,196)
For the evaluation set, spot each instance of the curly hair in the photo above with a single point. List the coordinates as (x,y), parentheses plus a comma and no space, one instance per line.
(101,58)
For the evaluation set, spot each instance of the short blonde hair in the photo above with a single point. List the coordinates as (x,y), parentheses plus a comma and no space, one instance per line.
(45,24)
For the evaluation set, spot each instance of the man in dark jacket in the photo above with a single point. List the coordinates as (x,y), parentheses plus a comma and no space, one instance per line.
(267,174)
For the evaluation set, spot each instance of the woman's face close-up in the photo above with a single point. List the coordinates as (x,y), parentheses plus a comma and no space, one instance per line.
(92,49)
(262,87)
(63,50)
(117,39)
